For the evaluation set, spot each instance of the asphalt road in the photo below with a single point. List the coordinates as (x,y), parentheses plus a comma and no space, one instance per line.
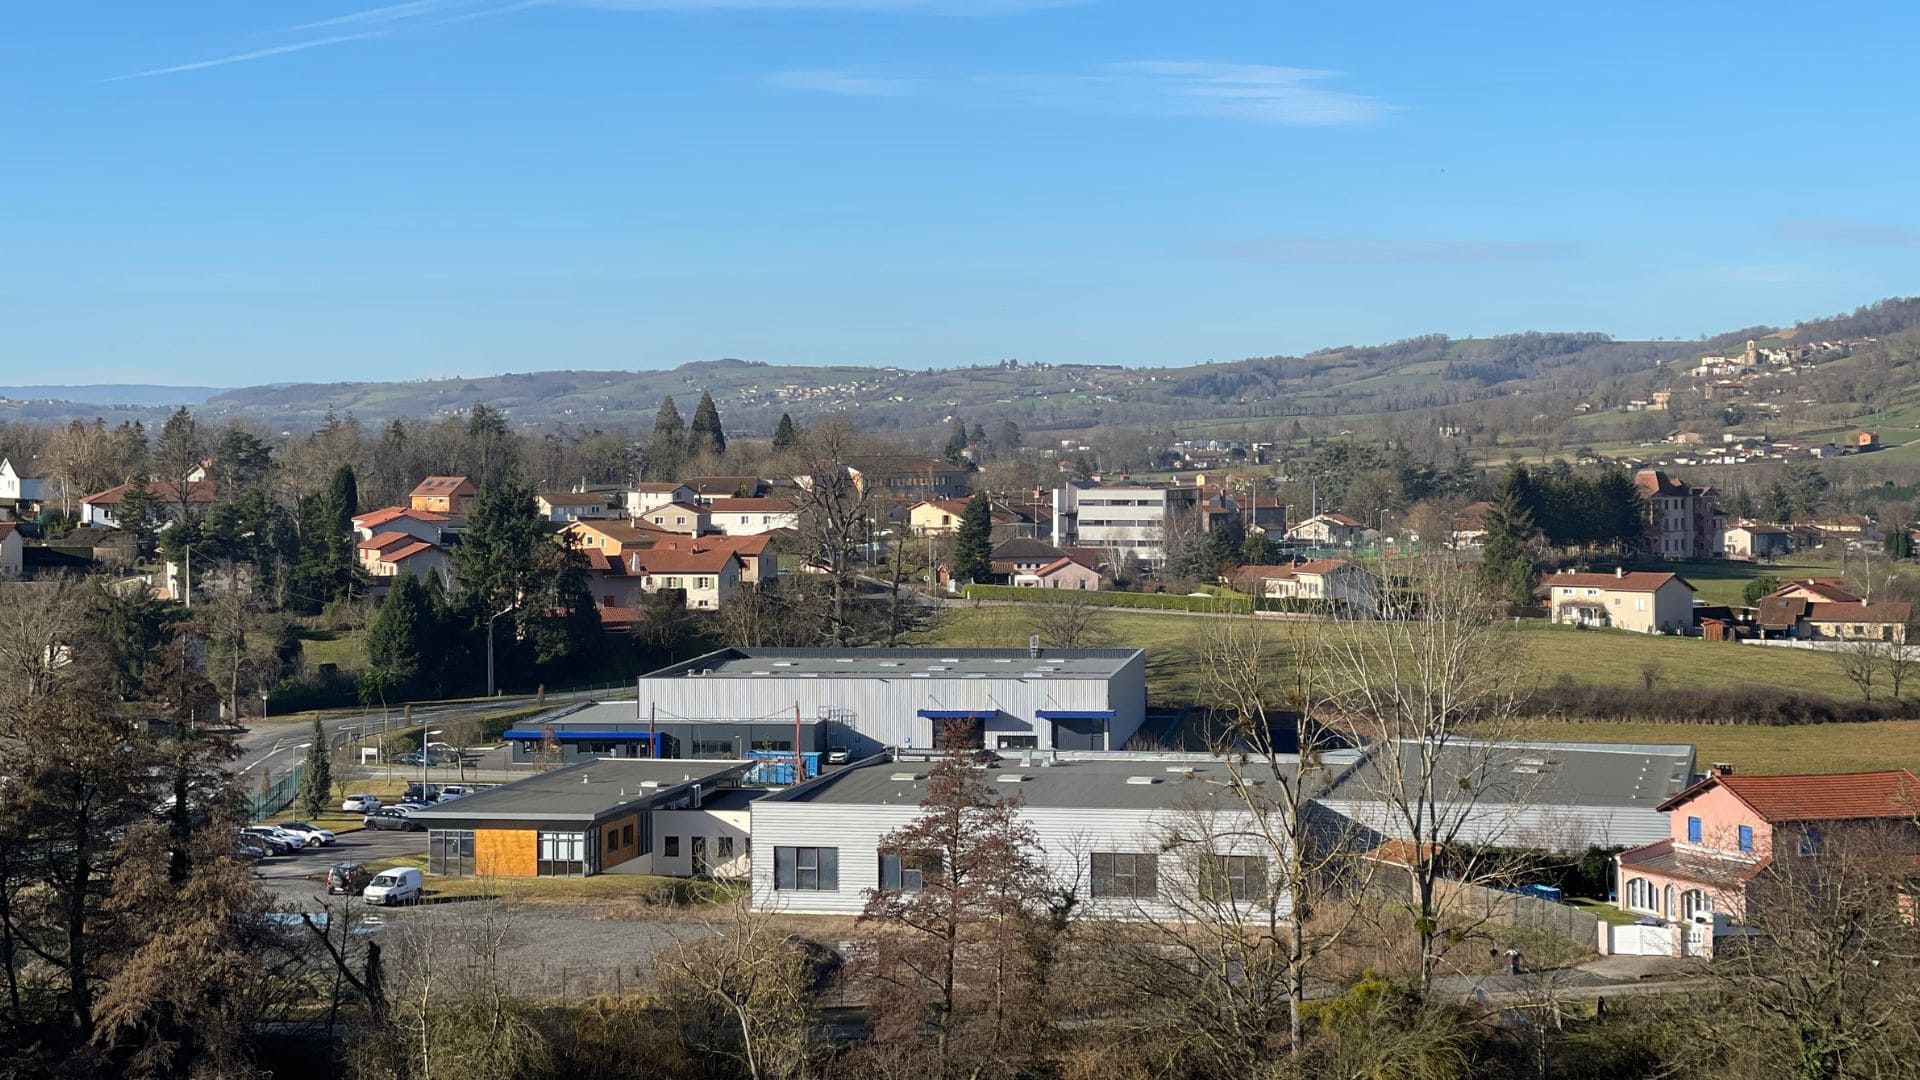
(278,744)
(290,877)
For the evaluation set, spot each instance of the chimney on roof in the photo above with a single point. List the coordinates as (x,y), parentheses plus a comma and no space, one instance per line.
(1033,646)
(1720,768)
(1619,572)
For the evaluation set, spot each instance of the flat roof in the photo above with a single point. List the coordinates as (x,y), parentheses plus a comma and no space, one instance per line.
(619,716)
(1545,773)
(1106,781)
(898,663)
(587,790)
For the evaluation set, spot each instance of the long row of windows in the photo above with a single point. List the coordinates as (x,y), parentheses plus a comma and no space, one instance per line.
(1130,875)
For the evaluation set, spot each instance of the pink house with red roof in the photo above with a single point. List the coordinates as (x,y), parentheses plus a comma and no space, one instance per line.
(1728,830)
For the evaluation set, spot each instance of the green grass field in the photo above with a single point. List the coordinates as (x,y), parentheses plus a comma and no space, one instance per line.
(345,649)
(1549,653)
(1810,748)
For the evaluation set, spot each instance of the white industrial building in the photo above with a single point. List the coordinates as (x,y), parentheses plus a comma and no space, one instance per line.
(1114,825)
(868,700)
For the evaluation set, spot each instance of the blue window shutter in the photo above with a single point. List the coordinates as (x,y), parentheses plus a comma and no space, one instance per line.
(1693,830)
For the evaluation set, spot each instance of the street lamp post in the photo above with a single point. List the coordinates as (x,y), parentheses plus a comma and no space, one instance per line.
(423,758)
(263,705)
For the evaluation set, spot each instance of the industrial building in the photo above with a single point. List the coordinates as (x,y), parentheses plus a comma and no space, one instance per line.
(728,702)
(1127,828)
(591,818)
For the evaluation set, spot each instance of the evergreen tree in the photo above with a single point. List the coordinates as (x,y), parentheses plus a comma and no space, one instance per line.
(667,449)
(1008,439)
(178,453)
(957,443)
(1195,558)
(704,434)
(1257,549)
(1899,542)
(786,436)
(240,463)
(1507,566)
(136,511)
(404,641)
(344,492)
(492,454)
(316,778)
(973,541)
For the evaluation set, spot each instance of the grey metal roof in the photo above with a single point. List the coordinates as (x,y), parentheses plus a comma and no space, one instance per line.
(1111,781)
(583,791)
(1546,773)
(902,663)
(619,716)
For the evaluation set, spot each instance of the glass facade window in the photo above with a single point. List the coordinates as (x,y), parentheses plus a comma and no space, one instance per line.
(778,746)
(713,748)
(566,854)
(450,852)
(909,872)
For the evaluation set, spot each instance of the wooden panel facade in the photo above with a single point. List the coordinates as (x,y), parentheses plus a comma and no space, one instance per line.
(615,846)
(505,853)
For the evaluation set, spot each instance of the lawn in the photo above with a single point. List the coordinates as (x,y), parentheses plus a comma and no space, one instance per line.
(1603,911)
(1721,581)
(648,889)
(1550,653)
(1882,744)
(345,649)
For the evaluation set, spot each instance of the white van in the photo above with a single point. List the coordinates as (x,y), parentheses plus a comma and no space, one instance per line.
(396,886)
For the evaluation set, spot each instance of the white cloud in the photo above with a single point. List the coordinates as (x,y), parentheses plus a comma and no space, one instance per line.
(245,57)
(1263,93)
(828,81)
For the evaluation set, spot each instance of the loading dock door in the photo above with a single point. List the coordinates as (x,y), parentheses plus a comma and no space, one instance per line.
(1080,733)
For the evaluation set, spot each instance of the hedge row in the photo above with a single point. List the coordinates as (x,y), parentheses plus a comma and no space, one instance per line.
(1106,598)
(1749,706)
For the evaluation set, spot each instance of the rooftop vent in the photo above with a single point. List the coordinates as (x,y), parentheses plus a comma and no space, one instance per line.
(1010,778)
(904,776)
(648,785)
(763,673)
(1143,779)
(919,675)
(783,663)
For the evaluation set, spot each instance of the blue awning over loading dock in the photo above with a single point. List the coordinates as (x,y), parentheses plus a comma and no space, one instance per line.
(1074,714)
(959,714)
(576,735)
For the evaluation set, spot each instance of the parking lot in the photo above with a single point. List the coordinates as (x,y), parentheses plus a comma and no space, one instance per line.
(290,877)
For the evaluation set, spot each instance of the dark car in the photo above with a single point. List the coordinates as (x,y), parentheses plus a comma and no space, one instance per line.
(389,819)
(271,845)
(347,878)
(250,848)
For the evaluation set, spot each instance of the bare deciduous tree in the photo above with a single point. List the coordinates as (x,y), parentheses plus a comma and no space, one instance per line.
(746,993)
(1068,619)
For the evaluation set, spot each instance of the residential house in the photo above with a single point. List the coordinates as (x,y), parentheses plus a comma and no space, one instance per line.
(1644,602)
(751,516)
(444,495)
(13,548)
(646,496)
(1265,513)
(1884,621)
(1334,582)
(1682,522)
(1012,558)
(941,517)
(433,528)
(20,492)
(708,488)
(1819,590)
(708,576)
(1470,525)
(1062,573)
(689,518)
(1728,830)
(163,503)
(1328,530)
(909,477)
(759,565)
(564,506)
(1754,542)
(611,537)
(390,555)
(1855,529)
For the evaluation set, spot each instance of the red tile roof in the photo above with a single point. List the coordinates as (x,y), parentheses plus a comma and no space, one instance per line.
(1860,613)
(739,545)
(1892,793)
(442,486)
(1287,571)
(758,506)
(373,519)
(674,561)
(383,540)
(7,528)
(407,552)
(1832,590)
(1638,581)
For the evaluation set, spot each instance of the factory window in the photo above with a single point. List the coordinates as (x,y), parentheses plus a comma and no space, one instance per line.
(670,846)
(806,869)
(1234,877)
(713,748)
(907,873)
(1126,874)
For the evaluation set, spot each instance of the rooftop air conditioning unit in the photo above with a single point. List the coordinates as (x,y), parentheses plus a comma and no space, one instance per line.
(904,776)
(1143,779)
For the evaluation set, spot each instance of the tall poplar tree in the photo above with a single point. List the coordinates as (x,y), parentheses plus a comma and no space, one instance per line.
(667,449)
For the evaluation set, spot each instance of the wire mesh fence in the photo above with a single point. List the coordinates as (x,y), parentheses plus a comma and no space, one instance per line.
(274,795)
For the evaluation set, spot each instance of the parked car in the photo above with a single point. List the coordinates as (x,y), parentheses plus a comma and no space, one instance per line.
(405,808)
(292,839)
(451,792)
(396,886)
(359,804)
(838,755)
(274,845)
(314,834)
(347,878)
(250,848)
(389,819)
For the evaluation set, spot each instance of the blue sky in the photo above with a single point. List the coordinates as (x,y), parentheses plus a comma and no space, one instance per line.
(240,191)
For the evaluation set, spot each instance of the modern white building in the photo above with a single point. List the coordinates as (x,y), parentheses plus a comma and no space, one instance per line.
(16,489)
(1124,518)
